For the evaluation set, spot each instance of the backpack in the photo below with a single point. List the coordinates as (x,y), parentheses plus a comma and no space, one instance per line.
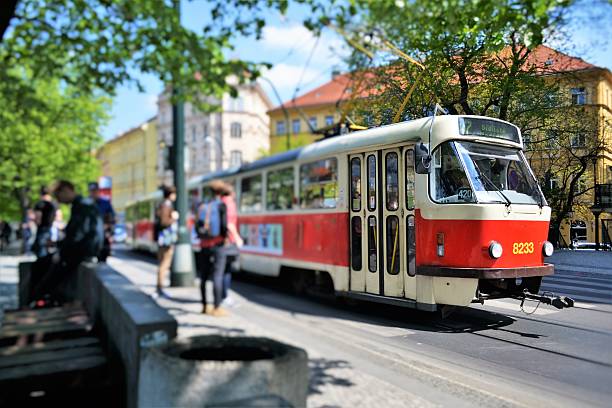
(212,221)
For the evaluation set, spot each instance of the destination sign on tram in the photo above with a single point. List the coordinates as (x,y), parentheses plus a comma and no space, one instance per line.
(488,128)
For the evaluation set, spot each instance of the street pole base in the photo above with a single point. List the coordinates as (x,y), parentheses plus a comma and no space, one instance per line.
(182,274)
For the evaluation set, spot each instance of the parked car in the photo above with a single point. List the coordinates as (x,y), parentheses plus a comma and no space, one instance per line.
(590,245)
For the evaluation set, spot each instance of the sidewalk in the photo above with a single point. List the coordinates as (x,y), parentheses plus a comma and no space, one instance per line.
(332,383)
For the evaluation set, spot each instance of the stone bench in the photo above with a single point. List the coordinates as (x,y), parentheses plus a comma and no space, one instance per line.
(125,318)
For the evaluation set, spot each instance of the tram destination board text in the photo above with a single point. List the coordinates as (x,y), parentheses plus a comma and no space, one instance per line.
(488,128)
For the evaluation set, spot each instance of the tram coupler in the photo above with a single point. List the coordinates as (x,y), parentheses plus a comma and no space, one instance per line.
(559,302)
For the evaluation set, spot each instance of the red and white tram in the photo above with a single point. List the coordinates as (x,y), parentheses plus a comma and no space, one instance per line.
(442,210)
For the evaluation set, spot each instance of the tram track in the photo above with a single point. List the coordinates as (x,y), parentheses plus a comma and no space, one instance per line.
(482,385)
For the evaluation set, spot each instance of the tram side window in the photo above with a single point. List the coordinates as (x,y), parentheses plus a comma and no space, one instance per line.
(319,183)
(448,182)
(392,181)
(279,190)
(356,184)
(371,182)
(393,251)
(250,197)
(372,244)
(356,233)
(410,179)
(143,210)
(129,214)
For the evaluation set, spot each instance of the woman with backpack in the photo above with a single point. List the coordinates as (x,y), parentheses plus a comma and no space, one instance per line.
(212,231)
(233,240)
(165,229)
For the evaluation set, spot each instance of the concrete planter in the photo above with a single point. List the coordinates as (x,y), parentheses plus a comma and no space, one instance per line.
(223,371)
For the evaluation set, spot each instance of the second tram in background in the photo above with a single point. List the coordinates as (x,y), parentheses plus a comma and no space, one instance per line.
(443,210)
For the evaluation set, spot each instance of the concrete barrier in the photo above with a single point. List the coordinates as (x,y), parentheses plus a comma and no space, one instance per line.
(224,371)
(129,320)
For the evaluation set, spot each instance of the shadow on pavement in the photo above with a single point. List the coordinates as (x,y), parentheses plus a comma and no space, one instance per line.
(271,293)
(321,376)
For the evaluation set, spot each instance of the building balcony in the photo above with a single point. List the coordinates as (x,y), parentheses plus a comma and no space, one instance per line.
(603,197)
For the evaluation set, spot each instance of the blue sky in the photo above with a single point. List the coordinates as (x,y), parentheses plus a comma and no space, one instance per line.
(287,45)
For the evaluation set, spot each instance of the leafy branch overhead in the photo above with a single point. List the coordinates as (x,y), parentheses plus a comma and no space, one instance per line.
(100,44)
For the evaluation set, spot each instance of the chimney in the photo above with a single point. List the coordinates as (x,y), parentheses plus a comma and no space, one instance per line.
(335,73)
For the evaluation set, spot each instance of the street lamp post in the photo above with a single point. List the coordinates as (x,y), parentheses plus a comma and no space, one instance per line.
(182,262)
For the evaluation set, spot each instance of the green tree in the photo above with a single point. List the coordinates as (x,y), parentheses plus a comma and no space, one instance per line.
(46,134)
(479,60)
(57,57)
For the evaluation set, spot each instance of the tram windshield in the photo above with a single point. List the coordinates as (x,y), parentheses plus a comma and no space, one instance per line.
(466,172)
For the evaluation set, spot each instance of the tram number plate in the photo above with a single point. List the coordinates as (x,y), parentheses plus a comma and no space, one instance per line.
(520,248)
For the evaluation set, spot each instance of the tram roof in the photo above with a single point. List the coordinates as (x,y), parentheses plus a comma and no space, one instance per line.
(444,126)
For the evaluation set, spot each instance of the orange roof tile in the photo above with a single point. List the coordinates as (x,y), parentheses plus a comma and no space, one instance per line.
(546,60)
(328,93)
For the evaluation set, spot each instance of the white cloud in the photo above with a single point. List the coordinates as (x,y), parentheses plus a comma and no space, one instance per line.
(285,37)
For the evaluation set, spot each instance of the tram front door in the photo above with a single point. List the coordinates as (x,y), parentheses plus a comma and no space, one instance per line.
(382,223)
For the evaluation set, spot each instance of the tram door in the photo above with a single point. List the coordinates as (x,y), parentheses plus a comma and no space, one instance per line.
(393,223)
(408,205)
(364,223)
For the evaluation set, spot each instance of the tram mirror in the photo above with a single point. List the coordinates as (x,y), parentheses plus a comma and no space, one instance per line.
(422,159)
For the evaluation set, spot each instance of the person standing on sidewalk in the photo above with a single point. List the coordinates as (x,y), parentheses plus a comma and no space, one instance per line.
(166,235)
(212,231)
(108,219)
(82,242)
(44,215)
(233,241)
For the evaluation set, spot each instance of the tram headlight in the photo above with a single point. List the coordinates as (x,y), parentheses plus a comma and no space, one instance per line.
(548,248)
(495,250)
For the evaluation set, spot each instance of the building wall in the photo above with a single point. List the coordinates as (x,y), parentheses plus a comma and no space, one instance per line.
(130,159)
(598,100)
(248,110)
(323,115)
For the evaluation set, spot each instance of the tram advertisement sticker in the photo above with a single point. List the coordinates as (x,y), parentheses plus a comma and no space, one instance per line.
(265,238)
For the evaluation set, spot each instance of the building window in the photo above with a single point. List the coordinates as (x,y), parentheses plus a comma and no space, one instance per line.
(279,190)
(578,96)
(313,122)
(318,184)
(329,120)
(205,130)
(554,184)
(236,104)
(235,158)
(296,126)
(193,133)
(578,140)
(581,185)
(526,140)
(280,127)
(236,130)
(552,139)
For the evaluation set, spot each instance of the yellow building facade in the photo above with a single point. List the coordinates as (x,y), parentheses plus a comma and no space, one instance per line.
(293,123)
(130,160)
(587,90)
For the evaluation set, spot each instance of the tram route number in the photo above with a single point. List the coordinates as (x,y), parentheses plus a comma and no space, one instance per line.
(520,248)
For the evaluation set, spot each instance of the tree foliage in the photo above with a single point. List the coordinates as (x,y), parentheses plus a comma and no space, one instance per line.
(57,57)
(47,133)
(478,59)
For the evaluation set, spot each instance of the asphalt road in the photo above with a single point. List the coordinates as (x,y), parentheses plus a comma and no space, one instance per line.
(368,354)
